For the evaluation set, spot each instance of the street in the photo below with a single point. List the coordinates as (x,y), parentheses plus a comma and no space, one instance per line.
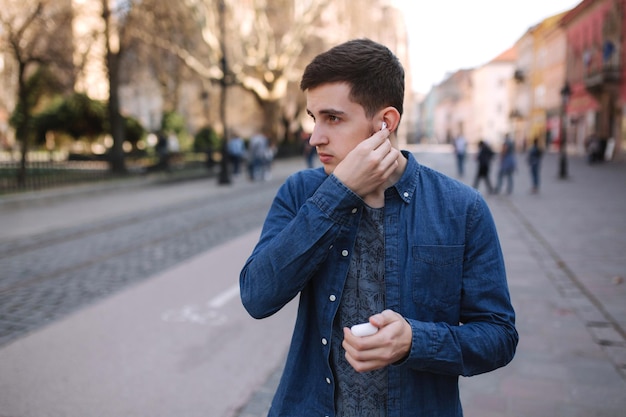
(78,260)
(102,244)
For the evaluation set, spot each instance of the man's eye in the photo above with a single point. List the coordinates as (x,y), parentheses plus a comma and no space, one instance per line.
(332,118)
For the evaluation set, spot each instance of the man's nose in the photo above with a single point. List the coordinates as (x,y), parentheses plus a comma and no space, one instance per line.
(317,137)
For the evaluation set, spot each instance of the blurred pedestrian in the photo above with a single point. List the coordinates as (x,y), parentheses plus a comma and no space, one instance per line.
(162,151)
(309,151)
(460,150)
(483,158)
(595,149)
(270,154)
(258,151)
(374,237)
(534,162)
(236,153)
(508,164)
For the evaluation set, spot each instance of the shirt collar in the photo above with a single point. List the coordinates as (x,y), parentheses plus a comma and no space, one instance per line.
(407,184)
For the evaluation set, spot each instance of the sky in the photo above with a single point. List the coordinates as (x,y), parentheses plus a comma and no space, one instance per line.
(448,35)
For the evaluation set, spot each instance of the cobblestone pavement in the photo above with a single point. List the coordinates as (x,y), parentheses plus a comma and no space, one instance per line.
(48,275)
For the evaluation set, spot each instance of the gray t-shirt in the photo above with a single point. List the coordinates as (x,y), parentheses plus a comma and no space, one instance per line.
(361,394)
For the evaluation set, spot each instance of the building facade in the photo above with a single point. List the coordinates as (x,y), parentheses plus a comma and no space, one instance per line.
(595,31)
(454,110)
(522,99)
(553,54)
(539,73)
(492,84)
(568,81)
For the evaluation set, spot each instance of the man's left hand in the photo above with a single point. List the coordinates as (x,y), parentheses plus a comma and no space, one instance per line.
(390,344)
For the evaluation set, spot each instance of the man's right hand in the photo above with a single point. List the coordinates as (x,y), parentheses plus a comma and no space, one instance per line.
(368,167)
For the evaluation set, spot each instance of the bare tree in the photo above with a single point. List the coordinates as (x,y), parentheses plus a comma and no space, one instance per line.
(253,44)
(35,34)
(116,42)
(106,41)
(260,46)
(110,41)
(173,22)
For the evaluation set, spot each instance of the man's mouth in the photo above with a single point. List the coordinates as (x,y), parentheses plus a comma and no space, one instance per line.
(324,157)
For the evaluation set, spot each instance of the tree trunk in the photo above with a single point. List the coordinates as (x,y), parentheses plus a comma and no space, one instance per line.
(22,130)
(116,121)
(271,120)
(116,157)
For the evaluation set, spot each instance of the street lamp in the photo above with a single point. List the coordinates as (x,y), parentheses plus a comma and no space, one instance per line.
(566,92)
(224,177)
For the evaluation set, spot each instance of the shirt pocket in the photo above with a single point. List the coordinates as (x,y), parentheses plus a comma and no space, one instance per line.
(437,275)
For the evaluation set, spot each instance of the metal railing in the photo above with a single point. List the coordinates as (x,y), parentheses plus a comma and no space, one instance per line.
(44,174)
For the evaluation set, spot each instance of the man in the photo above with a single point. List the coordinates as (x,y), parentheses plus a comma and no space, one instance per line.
(236,153)
(258,167)
(372,236)
(460,148)
(508,164)
(484,156)
(534,162)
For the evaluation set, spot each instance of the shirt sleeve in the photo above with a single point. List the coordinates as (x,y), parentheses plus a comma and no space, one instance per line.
(296,235)
(485,337)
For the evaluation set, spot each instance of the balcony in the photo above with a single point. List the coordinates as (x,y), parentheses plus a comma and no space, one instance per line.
(601,79)
(602,68)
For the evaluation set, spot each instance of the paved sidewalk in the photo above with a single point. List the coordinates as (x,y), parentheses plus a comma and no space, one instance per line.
(565,255)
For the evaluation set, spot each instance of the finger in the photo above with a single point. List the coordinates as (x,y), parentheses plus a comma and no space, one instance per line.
(384,146)
(364,365)
(356,342)
(361,356)
(383,151)
(364,348)
(377,155)
(389,162)
(384,318)
(391,155)
(374,141)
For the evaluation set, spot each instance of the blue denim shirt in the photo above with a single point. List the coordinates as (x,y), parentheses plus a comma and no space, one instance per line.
(444,272)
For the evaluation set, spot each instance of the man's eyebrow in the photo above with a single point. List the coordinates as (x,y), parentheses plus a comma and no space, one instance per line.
(327,111)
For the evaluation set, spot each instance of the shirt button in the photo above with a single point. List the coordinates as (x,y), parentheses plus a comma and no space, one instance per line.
(406,194)
(332,297)
(324,341)
(344,252)
(354,210)
(328,381)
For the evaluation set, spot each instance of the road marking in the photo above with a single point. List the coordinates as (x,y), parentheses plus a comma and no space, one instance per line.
(193,313)
(221,299)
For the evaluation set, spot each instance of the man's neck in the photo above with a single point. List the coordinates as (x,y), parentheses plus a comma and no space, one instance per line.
(399,171)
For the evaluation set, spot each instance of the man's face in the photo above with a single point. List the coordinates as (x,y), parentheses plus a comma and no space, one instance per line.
(340,124)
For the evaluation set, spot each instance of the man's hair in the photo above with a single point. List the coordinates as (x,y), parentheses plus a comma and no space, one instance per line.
(374,73)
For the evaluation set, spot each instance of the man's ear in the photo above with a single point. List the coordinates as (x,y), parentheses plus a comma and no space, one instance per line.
(391,116)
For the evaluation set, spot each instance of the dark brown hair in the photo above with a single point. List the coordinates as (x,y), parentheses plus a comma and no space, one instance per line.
(374,73)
